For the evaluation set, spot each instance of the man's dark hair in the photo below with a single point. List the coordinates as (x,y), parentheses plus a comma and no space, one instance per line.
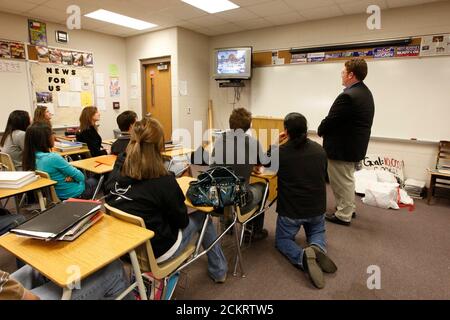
(358,66)
(240,118)
(126,119)
(296,127)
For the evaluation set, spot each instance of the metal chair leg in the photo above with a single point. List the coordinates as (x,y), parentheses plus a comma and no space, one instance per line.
(238,253)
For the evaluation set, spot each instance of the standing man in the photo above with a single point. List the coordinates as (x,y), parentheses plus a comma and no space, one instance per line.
(346,134)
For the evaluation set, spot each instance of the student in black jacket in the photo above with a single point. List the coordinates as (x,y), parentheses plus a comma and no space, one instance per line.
(145,188)
(125,121)
(88,131)
(346,133)
(302,200)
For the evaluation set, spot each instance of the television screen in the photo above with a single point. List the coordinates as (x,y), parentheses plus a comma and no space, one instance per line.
(233,63)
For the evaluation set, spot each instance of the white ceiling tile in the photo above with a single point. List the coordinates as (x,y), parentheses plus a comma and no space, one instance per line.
(287,18)
(322,12)
(225,28)
(361,6)
(48,14)
(404,3)
(183,12)
(15,6)
(208,21)
(270,8)
(253,14)
(236,15)
(247,3)
(309,4)
(254,23)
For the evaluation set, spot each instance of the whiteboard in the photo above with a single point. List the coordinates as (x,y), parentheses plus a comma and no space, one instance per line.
(14,89)
(412,95)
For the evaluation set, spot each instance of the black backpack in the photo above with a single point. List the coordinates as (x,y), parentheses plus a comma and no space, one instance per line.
(9,221)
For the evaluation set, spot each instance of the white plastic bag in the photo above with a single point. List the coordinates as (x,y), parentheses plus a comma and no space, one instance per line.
(363,178)
(382,194)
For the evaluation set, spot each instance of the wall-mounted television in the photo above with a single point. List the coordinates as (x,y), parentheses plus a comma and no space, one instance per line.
(233,63)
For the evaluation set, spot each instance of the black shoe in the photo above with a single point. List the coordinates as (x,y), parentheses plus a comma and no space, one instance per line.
(312,268)
(325,263)
(353,214)
(334,219)
(255,236)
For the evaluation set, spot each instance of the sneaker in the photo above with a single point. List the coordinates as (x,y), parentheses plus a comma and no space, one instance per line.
(219,280)
(312,268)
(325,263)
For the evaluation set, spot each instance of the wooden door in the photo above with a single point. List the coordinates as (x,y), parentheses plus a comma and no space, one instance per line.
(159,95)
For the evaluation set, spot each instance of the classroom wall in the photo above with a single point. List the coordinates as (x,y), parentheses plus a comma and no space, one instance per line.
(190,63)
(402,22)
(106,49)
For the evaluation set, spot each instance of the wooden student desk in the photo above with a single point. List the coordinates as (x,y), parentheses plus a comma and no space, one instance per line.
(169,154)
(37,186)
(72,152)
(98,165)
(109,142)
(103,243)
(269,177)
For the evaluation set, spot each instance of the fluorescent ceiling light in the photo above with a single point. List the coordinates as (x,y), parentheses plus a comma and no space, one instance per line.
(212,6)
(115,18)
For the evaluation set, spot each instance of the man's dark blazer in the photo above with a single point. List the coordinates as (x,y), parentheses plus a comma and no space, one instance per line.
(346,129)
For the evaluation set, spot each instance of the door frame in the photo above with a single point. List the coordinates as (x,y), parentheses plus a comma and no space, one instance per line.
(144,63)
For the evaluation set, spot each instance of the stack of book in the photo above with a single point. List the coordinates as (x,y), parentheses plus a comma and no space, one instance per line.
(65,221)
(16,179)
(171,146)
(443,168)
(68,146)
(415,188)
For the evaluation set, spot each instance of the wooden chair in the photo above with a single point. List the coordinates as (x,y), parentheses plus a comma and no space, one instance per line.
(146,257)
(440,175)
(53,196)
(243,219)
(6,163)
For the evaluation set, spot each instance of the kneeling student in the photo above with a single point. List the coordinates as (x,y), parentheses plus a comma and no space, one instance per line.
(302,200)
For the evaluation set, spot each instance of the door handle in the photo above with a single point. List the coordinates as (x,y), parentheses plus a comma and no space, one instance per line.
(152,86)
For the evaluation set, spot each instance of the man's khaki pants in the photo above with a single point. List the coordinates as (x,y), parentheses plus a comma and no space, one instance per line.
(342,181)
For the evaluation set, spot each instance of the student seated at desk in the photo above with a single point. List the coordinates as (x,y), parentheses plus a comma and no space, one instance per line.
(71,182)
(43,115)
(88,131)
(238,150)
(13,138)
(146,189)
(27,284)
(302,200)
(125,121)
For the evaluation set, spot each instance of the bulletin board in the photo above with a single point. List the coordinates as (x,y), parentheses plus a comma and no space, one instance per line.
(63,89)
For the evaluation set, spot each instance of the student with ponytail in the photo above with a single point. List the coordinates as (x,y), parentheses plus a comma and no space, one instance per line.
(146,189)
(302,200)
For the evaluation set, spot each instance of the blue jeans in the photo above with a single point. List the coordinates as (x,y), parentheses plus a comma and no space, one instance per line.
(217,263)
(106,284)
(288,228)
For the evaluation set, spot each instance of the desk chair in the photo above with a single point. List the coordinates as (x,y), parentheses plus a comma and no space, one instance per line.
(53,196)
(243,219)
(438,178)
(146,257)
(6,164)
